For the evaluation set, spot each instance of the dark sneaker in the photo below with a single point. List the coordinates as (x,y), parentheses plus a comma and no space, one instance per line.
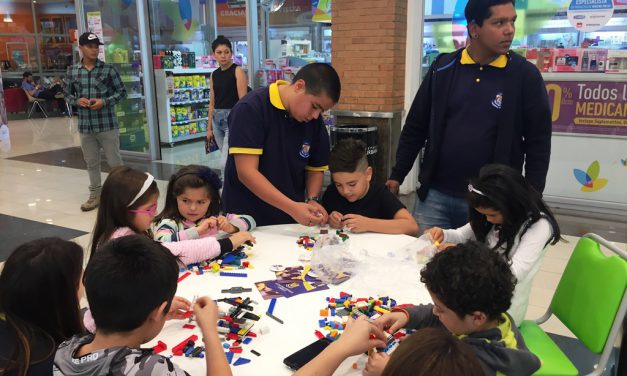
(91,204)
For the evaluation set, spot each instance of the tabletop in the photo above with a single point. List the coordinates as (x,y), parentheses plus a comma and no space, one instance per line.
(386,267)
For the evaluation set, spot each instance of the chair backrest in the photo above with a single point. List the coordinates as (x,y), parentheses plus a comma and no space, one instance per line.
(589,293)
(30,97)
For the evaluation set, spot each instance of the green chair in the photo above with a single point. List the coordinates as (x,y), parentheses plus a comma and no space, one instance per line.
(590,300)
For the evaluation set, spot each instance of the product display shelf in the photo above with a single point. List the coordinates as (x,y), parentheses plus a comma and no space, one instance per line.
(183,103)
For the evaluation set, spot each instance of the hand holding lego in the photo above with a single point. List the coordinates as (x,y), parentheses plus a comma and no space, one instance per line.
(206,224)
(319,211)
(436,234)
(307,214)
(376,364)
(206,312)
(242,237)
(96,104)
(393,186)
(360,336)
(335,219)
(357,223)
(225,225)
(83,102)
(178,307)
(391,322)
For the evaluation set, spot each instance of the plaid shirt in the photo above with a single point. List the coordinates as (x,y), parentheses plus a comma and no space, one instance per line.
(104,82)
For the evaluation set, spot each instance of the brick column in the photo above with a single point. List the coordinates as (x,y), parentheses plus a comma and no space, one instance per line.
(368,52)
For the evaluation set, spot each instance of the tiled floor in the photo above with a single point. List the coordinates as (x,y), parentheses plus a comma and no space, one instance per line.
(42,180)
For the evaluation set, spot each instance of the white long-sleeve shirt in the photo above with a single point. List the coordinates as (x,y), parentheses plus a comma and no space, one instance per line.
(526,256)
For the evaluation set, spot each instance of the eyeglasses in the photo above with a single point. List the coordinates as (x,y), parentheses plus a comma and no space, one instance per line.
(151,211)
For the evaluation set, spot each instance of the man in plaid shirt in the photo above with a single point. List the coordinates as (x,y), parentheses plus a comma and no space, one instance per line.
(94,88)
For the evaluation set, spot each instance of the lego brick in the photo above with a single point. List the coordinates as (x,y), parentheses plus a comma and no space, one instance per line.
(231,274)
(182,277)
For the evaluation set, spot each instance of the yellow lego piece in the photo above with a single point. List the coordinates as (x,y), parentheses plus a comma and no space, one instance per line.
(380,310)
(324,312)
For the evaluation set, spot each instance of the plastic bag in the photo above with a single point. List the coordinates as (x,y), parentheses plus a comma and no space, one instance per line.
(425,249)
(332,260)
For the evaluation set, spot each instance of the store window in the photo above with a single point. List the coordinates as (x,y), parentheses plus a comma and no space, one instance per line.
(581,53)
(36,36)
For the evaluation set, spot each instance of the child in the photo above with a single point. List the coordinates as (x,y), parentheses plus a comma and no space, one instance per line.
(471,288)
(130,284)
(40,290)
(429,351)
(128,206)
(192,208)
(354,202)
(510,217)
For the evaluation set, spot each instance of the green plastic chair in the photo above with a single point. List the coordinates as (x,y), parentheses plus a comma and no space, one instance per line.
(590,300)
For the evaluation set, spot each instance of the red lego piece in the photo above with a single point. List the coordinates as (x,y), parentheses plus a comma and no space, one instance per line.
(318,334)
(178,349)
(232,336)
(236,344)
(398,335)
(245,264)
(251,334)
(187,314)
(183,276)
(189,326)
(160,347)
(344,294)
(228,318)
(236,350)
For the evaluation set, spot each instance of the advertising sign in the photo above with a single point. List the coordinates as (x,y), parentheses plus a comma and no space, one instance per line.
(590,15)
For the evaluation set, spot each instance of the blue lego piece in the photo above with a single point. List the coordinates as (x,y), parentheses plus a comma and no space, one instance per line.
(332,311)
(200,271)
(247,340)
(226,345)
(227,274)
(241,361)
(228,258)
(271,306)
(322,323)
(189,350)
(229,356)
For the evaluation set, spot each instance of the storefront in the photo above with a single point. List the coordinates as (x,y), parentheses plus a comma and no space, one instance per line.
(582,53)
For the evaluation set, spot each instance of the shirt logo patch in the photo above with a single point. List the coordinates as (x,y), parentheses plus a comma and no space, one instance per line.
(498,101)
(304,150)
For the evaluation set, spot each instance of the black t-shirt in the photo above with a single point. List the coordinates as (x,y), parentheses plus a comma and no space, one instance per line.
(225,87)
(378,203)
(42,351)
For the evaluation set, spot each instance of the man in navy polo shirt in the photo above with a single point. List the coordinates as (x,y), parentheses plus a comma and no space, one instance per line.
(279,148)
(478,105)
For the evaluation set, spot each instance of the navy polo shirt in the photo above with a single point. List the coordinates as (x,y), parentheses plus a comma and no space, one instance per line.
(473,112)
(260,125)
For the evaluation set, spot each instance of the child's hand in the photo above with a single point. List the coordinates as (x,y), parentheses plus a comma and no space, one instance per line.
(178,307)
(206,225)
(319,211)
(436,234)
(356,223)
(241,237)
(391,322)
(335,219)
(357,339)
(206,312)
(376,364)
(225,225)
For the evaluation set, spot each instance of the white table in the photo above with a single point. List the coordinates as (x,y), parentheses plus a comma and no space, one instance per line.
(387,268)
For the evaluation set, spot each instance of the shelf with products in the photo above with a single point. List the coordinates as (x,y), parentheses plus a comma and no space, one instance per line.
(183,102)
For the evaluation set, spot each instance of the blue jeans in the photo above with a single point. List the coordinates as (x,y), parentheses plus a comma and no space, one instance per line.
(220,128)
(441,210)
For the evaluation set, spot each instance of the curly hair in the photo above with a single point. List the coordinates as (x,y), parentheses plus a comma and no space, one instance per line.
(470,277)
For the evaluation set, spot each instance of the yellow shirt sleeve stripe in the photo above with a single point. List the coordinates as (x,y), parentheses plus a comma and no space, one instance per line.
(253,151)
(321,168)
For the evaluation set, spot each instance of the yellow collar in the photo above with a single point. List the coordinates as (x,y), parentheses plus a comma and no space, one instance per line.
(275,98)
(499,62)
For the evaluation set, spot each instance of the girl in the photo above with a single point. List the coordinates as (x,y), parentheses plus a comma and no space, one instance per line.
(40,290)
(227,85)
(192,208)
(128,206)
(510,217)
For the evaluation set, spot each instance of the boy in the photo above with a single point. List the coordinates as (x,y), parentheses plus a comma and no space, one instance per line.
(279,149)
(354,202)
(130,283)
(471,288)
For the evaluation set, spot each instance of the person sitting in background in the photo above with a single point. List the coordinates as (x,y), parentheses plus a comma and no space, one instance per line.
(37,91)
(356,203)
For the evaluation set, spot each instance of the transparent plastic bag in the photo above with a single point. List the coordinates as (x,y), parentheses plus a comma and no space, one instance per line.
(425,249)
(332,260)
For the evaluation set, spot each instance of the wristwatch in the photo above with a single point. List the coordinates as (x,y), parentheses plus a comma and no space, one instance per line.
(313,198)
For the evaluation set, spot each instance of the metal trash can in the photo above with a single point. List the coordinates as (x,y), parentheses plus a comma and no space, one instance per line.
(367,134)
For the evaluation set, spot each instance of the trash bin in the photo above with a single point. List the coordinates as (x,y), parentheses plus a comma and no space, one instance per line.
(367,134)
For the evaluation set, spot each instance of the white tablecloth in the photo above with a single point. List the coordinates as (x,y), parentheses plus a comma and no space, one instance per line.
(387,268)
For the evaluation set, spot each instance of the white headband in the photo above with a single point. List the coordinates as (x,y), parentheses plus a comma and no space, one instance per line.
(473,189)
(149,180)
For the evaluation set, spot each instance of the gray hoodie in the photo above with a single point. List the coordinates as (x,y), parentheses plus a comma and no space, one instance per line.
(500,350)
(114,361)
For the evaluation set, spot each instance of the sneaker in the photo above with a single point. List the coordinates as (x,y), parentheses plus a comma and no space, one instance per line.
(91,204)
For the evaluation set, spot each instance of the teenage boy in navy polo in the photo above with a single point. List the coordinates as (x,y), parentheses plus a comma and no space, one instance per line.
(353,201)
(478,105)
(279,149)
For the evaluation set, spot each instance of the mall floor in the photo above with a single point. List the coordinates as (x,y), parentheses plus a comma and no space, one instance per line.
(43,182)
